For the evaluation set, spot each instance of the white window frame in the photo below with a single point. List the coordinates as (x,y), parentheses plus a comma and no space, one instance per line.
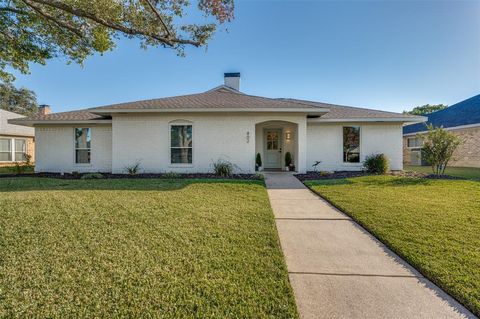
(414,138)
(180,123)
(13,148)
(75,147)
(359,163)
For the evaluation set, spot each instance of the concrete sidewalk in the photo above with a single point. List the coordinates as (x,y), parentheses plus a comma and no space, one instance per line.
(338,270)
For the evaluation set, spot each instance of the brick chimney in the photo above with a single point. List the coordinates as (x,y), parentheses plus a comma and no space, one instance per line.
(232,80)
(44,109)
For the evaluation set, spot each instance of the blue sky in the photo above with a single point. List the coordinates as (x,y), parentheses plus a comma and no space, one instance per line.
(389,55)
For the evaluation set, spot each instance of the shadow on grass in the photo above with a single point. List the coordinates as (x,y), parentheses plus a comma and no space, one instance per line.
(154,184)
(398,182)
(382,181)
(328,182)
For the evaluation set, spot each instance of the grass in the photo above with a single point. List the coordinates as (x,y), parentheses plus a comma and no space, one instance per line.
(11,170)
(463,172)
(140,248)
(433,224)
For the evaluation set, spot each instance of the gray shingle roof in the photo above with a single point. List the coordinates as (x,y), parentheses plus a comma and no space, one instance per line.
(216,99)
(81,115)
(344,112)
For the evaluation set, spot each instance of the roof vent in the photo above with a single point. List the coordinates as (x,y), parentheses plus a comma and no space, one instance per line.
(232,80)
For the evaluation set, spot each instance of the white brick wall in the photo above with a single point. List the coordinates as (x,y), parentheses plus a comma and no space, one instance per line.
(54,149)
(325,143)
(145,138)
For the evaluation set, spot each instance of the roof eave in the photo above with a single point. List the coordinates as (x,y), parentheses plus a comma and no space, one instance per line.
(450,128)
(32,123)
(371,119)
(316,111)
(16,134)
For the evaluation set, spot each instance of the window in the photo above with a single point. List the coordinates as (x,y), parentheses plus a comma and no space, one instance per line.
(82,145)
(13,150)
(5,150)
(20,150)
(351,144)
(181,144)
(414,142)
(272,140)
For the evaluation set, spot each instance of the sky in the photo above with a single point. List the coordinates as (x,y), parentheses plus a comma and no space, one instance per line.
(388,55)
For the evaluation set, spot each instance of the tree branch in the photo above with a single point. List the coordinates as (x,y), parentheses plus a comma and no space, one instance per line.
(127,30)
(55,20)
(13,10)
(159,16)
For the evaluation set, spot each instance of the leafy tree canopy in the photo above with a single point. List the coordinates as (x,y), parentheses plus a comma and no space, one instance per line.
(21,101)
(426,109)
(37,30)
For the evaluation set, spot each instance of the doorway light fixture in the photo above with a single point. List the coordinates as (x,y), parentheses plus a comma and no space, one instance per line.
(288,136)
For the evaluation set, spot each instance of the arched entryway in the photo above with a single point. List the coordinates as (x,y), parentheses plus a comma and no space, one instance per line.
(273,140)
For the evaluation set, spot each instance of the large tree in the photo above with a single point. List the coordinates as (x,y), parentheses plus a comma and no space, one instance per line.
(21,101)
(426,109)
(37,30)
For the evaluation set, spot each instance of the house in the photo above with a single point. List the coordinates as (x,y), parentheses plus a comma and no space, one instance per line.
(462,119)
(15,141)
(188,133)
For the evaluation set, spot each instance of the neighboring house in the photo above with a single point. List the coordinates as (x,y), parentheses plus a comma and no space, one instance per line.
(188,133)
(462,119)
(15,141)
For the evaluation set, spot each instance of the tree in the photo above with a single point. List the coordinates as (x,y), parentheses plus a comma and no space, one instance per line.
(38,30)
(426,109)
(438,148)
(21,101)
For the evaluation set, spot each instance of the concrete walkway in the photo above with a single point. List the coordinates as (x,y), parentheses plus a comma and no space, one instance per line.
(338,270)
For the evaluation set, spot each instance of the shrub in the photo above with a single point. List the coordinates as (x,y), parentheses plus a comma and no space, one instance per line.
(133,169)
(376,164)
(438,148)
(21,167)
(18,168)
(171,175)
(259,176)
(92,176)
(258,160)
(315,165)
(223,168)
(288,159)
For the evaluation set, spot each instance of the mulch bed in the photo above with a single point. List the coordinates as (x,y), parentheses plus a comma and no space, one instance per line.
(350,174)
(126,176)
(330,175)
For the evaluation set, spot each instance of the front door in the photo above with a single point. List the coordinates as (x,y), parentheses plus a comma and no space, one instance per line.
(272,148)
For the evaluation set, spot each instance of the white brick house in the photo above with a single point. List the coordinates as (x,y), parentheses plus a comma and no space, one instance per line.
(188,133)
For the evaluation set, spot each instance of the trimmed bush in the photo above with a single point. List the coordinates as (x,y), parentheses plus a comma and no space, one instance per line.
(288,159)
(92,176)
(258,160)
(376,164)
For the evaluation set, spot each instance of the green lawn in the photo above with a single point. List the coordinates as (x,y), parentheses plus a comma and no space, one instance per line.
(140,248)
(433,224)
(464,172)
